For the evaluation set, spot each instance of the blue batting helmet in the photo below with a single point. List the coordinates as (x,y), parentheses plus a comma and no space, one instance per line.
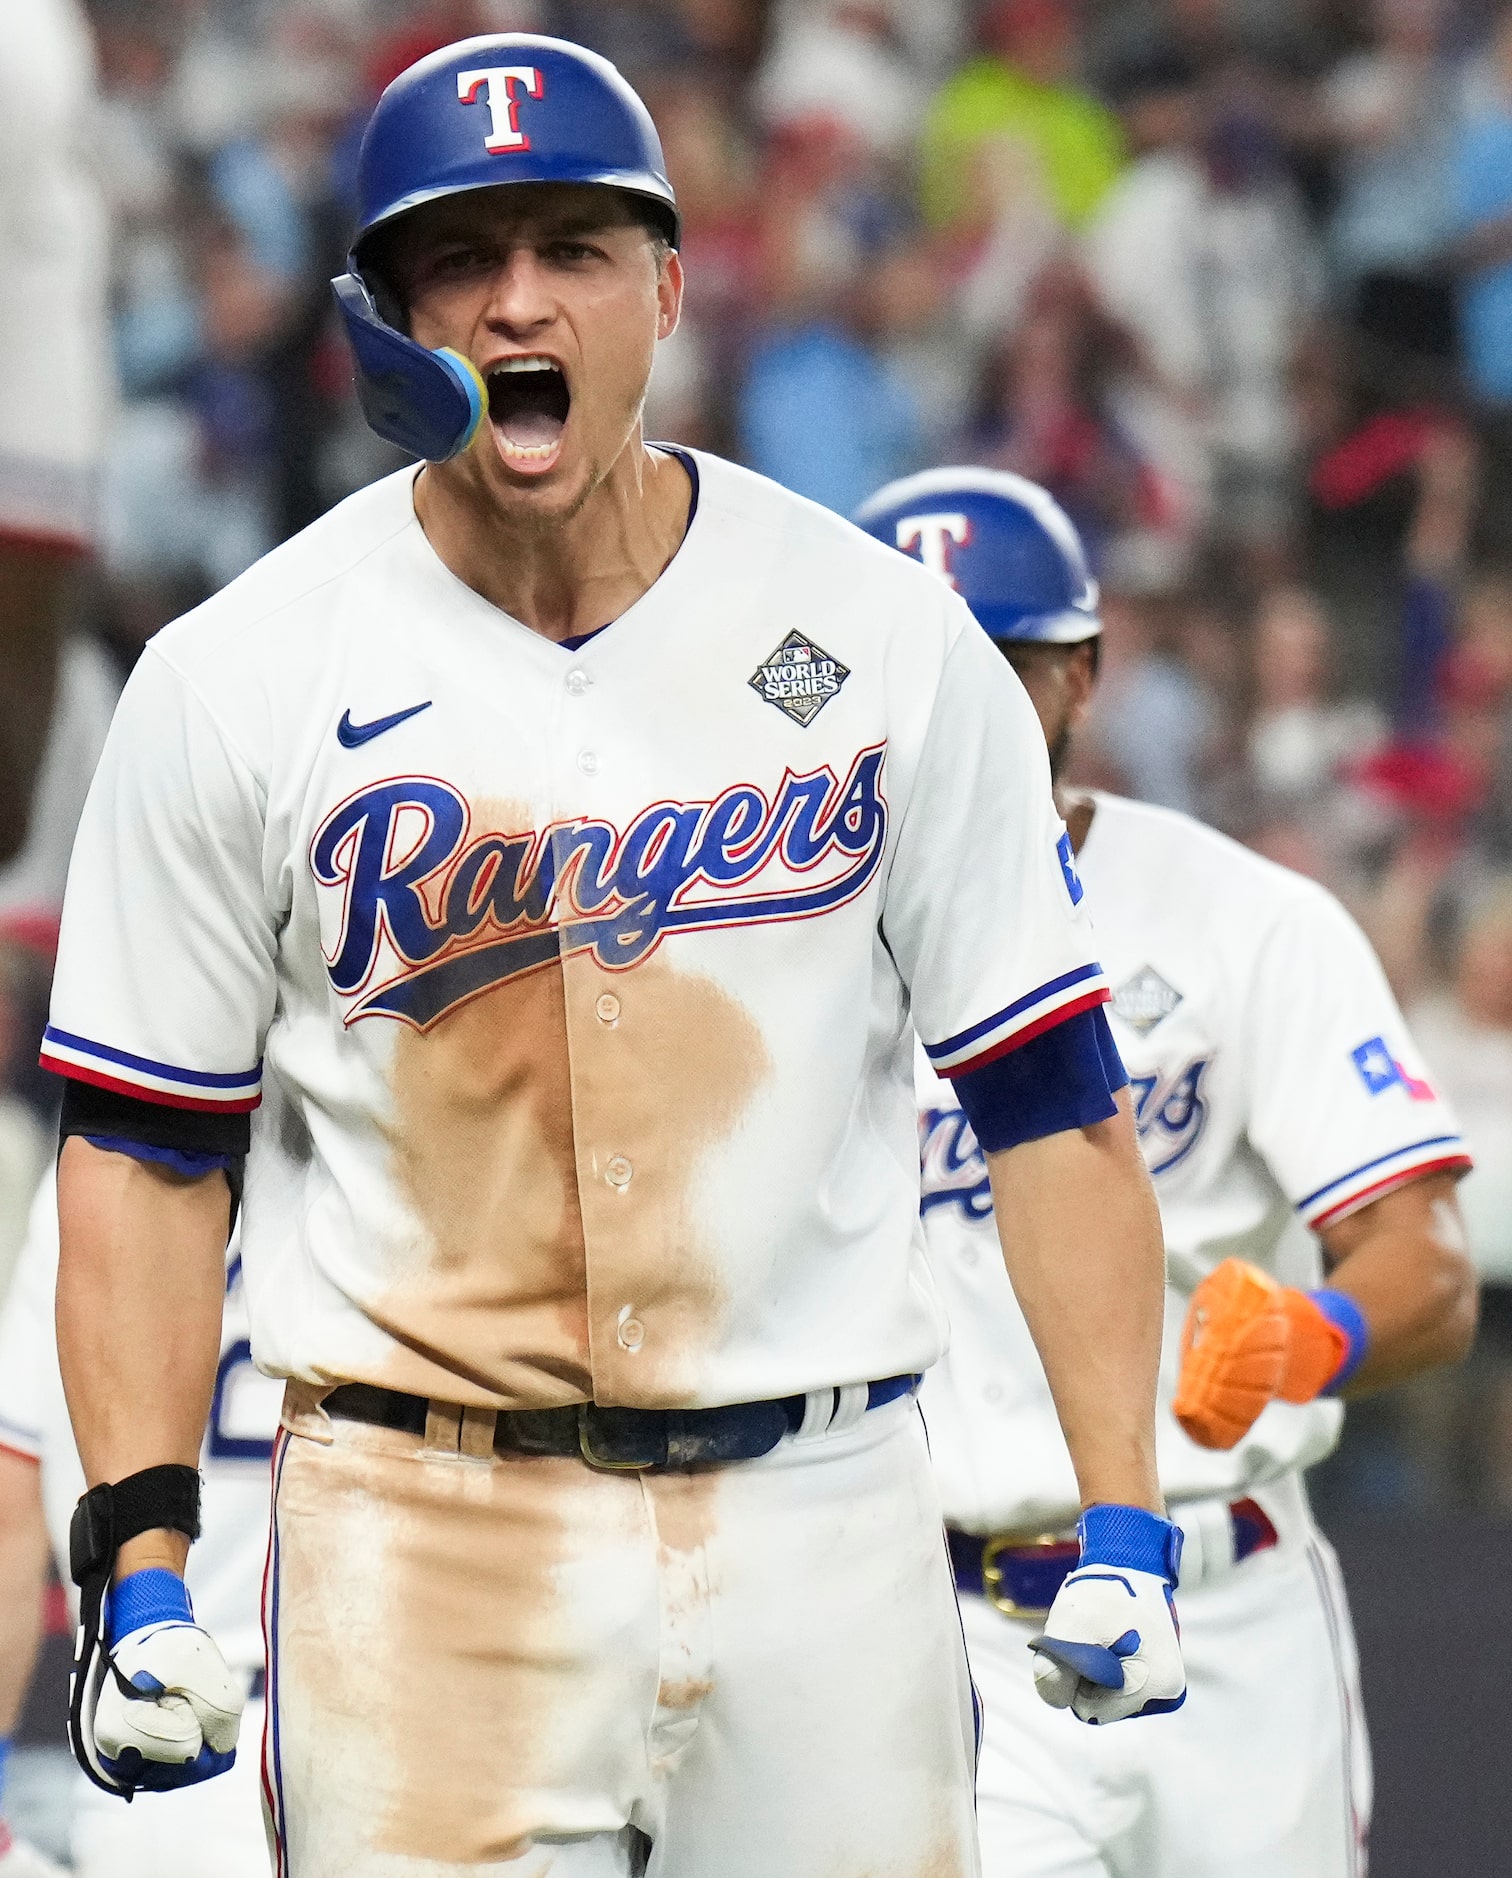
(1006,545)
(503,108)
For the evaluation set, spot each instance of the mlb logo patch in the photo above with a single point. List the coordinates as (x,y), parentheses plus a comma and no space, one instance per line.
(1379,1071)
(800,678)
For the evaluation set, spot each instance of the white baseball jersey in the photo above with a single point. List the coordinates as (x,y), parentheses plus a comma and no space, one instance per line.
(226,1563)
(575,982)
(1273,1080)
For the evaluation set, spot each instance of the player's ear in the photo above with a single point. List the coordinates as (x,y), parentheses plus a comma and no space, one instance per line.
(1081,676)
(669,293)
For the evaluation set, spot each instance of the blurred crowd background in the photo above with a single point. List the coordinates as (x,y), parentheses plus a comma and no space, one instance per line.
(1232,277)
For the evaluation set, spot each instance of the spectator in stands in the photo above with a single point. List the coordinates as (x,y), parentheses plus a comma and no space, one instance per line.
(56,387)
(841,60)
(1391,111)
(1201,250)
(1047,409)
(1302,737)
(1022,87)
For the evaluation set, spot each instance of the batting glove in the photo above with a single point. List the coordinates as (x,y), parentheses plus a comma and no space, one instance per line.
(1111,1648)
(1249,1341)
(169,1709)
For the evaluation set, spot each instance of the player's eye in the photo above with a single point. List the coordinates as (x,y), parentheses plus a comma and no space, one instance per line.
(571,252)
(448,262)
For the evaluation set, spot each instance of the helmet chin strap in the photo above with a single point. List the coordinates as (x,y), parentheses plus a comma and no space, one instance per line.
(431,404)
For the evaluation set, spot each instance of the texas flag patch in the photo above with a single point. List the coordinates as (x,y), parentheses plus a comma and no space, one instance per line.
(1380,1071)
(1067,859)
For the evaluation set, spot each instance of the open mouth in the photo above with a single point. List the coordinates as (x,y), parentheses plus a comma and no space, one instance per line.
(528,402)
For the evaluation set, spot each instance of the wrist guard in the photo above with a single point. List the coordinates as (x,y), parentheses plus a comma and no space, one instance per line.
(104,1520)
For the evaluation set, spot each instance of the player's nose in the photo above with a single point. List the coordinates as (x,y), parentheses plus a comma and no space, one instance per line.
(521,298)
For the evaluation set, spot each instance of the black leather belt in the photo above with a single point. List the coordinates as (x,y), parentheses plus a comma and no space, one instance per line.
(1022,1577)
(636,1440)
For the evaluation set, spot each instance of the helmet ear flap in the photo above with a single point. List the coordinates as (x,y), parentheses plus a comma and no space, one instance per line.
(431,404)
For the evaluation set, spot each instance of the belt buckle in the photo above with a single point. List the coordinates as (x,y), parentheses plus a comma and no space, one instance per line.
(605,1463)
(992,1572)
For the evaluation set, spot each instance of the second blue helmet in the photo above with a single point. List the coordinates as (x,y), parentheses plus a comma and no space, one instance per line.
(1006,546)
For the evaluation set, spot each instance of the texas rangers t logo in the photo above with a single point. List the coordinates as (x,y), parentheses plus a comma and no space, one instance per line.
(424,917)
(934,536)
(503,101)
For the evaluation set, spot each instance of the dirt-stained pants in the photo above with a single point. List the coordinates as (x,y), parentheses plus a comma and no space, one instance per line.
(526,1668)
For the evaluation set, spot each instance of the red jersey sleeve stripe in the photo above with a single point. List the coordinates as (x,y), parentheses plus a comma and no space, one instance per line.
(169,1098)
(1036,1027)
(1416,1170)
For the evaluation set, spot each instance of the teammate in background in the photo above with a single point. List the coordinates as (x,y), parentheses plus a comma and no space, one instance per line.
(55,383)
(573,965)
(217,1831)
(1274,1081)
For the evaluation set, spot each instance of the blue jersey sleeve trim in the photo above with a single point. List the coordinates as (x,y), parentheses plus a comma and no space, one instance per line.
(948,1046)
(32,1437)
(1064,1078)
(198,1078)
(1412,1147)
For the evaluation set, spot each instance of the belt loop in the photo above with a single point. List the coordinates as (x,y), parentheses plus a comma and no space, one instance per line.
(443,1428)
(476,1440)
(818,1407)
(302,1413)
(850,1407)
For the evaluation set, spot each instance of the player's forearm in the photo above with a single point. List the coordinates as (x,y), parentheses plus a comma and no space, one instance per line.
(1082,1242)
(1404,1262)
(141,1277)
(23,1573)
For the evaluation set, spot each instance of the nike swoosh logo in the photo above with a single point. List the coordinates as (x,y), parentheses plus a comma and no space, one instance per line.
(350,735)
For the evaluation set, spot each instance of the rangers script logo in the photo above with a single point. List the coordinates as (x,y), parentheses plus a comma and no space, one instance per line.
(424,917)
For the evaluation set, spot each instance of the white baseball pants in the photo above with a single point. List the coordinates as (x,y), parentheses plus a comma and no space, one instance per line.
(523,1668)
(1265,1771)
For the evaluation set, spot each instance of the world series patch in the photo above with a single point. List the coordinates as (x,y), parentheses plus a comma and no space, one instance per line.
(800,678)
(1144,1000)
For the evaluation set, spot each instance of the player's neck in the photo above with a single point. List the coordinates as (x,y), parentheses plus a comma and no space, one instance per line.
(1076,808)
(577,575)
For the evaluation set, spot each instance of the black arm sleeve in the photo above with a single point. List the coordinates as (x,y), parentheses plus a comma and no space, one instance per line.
(90,1110)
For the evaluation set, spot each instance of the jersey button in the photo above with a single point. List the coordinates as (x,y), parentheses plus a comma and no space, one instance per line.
(632,1332)
(608,1008)
(578,682)
(993,1392)
(587,762)
(617,1171)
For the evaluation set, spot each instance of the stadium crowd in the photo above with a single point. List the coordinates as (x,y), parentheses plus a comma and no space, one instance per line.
(1232,277)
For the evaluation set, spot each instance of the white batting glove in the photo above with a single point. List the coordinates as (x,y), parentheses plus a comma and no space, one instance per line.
(169,1714)
(1111,1648)
(20,1860)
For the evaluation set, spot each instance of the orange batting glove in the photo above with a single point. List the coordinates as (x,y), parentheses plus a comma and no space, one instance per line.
(1248,1340)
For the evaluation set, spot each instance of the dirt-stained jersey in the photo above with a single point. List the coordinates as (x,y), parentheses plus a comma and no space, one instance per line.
(225,1567)
(1273,1081)
(575,982)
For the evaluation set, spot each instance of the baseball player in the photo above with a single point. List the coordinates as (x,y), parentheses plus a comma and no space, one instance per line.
(55,381)
(215,1831)
(559,842)
(1274,1082)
